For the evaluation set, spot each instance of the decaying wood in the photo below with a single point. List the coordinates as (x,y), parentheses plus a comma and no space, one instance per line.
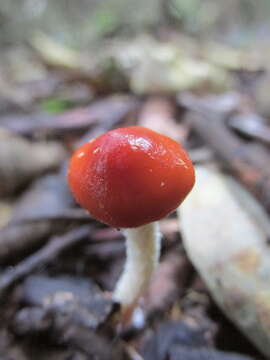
(249,162)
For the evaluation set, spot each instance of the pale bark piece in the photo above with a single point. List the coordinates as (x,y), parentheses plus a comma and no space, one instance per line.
(225,233)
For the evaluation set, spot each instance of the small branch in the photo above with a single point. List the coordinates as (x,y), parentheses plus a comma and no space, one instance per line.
(72,214)
(110,110)
(43,256)
(249,162)
(49,195)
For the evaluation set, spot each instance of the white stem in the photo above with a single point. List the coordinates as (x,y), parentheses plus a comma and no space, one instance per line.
(143,249)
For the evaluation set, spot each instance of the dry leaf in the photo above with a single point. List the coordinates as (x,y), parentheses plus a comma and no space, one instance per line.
(225,234)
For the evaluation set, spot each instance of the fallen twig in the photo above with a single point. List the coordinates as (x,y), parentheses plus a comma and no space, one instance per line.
(110,109)
(249,162)
(43,256)
(48,196)
(69,214)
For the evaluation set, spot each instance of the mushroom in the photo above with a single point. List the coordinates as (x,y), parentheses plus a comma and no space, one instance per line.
(130,178)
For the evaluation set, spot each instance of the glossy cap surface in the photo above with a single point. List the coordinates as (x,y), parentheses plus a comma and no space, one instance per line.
(130,176)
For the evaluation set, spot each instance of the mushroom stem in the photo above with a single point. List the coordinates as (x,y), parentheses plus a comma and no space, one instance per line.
(143,250)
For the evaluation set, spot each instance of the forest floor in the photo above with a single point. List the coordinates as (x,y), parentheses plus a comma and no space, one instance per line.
(58,264)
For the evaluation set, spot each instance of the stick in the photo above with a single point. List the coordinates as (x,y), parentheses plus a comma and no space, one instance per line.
(43,256)
(249,162)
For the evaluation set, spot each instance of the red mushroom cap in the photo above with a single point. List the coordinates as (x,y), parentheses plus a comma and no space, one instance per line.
(130,176)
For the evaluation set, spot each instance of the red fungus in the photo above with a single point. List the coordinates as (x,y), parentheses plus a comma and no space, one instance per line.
(130,178)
